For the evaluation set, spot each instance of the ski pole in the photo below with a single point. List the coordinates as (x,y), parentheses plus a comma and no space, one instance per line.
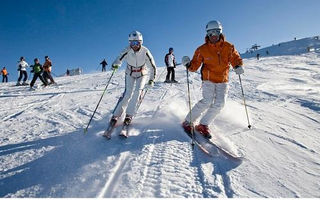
(189,98)
(244,102)
(86,129)
(144,91)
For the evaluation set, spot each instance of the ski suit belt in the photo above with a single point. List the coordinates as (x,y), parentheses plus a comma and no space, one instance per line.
(140,69)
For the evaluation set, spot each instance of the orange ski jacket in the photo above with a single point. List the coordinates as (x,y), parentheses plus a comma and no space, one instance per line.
(47,66)
(4,72)
(215,60)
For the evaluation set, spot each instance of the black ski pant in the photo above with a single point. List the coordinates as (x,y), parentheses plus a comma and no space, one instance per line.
(4,78)
(35,77)
(23,73)
(170,70)
(46,76)
(104,68)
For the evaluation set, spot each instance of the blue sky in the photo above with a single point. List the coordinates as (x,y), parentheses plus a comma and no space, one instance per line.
(80,33)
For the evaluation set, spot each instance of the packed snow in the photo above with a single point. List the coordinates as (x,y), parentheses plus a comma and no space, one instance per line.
(45,153)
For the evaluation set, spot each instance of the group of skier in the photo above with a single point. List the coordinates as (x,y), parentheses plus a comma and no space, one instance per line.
(40,71)
(214,57)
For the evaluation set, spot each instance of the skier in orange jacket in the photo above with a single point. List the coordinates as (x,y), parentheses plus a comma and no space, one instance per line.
(215,57)
(5,74)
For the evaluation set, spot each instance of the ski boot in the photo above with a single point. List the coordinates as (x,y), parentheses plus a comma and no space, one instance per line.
(167,81)
(113,121)
(32,88)
(110,128)
(18,84)
(125,128)
(187,127)
(127,120)
(203,130)
(25,83)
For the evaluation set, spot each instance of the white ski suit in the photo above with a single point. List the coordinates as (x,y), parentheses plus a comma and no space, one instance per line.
(135,79)
(22,65)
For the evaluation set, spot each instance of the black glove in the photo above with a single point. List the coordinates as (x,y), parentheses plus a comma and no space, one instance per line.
(188,65)
(151,83)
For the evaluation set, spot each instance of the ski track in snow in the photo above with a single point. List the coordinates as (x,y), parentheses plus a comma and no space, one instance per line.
(44,153)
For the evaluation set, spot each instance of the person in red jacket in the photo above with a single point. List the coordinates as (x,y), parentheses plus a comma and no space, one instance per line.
(215,58)
(47,67)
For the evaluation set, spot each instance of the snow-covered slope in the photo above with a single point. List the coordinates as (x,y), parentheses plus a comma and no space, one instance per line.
(44,152)
(294,47)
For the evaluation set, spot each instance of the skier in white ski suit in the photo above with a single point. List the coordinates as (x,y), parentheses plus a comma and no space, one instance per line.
(138,58)
(22,68)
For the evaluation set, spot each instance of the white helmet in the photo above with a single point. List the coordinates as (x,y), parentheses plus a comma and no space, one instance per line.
(214,25)
(135,35)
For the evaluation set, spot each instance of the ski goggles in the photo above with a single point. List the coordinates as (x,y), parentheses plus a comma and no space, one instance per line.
(135,43)
(214,32)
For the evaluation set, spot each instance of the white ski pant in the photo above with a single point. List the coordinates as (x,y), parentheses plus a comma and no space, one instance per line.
(130,96)
(214,97)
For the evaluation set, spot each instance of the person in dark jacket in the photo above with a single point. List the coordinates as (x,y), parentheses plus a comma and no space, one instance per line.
(170,61)
(37,70)
(104,64)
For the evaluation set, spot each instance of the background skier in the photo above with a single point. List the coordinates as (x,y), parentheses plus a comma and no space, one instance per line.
(170,61)
(47,67)
(22,68)
(104,64)
(215,57)
(138,57)
(37,70)
(5,74)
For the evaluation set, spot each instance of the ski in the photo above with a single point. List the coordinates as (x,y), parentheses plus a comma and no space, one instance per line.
(108,132)
(201,147)
(124,131)
(212,149)
(225,152)
(220,150)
